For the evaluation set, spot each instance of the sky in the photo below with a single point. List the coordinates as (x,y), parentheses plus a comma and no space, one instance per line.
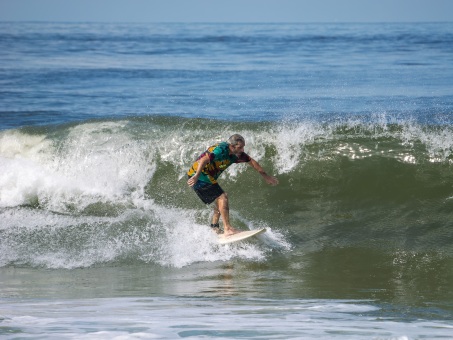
(247,11)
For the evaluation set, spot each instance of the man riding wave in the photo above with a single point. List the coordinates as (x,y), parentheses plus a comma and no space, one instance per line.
(209,166)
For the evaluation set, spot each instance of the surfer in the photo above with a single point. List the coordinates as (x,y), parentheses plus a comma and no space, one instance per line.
(207,168)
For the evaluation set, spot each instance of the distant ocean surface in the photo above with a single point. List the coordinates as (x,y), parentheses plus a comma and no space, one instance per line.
(100,237)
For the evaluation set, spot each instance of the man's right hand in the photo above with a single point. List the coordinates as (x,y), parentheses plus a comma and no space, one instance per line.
(192,180)
(201,164)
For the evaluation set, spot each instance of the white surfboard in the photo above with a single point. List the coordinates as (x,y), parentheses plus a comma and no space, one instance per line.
(240,236)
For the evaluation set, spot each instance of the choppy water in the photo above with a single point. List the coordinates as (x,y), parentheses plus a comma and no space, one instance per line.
(100,237)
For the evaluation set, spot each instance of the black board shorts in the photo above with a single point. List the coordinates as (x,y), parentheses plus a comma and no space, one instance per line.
(207,192)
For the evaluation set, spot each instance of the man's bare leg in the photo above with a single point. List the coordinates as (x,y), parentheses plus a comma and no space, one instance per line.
(222,206)
(215,219)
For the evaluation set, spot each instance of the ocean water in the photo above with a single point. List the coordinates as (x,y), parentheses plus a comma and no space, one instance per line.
(100,237)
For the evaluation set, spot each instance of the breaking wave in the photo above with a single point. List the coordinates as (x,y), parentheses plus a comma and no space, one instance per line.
(109,191)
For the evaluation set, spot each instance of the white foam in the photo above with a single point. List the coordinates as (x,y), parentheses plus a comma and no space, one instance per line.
(290,141)
(94,162)
(170,318)
(186,241)
(171,237)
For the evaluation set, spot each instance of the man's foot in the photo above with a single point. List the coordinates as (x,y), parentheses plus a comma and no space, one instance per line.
(228,231)
(216,228)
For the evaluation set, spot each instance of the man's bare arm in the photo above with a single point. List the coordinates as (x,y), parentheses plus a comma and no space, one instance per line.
(269,179)
(201,164)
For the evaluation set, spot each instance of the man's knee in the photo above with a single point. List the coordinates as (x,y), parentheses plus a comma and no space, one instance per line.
(222,200)
(223,197)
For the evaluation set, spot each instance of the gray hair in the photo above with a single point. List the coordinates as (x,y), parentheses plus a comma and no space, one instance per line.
(236,139)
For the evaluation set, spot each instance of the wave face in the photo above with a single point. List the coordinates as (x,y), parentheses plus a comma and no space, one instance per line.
(114,191)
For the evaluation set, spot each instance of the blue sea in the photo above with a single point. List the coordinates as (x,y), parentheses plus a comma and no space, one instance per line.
(101,238)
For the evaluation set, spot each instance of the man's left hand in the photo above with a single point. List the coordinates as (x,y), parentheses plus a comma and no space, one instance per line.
(271,180)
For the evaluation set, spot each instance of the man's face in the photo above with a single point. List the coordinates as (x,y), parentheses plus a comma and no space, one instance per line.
(237,149)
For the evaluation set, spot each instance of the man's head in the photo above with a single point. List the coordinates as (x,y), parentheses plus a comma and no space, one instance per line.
(236,139)
(236,144)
